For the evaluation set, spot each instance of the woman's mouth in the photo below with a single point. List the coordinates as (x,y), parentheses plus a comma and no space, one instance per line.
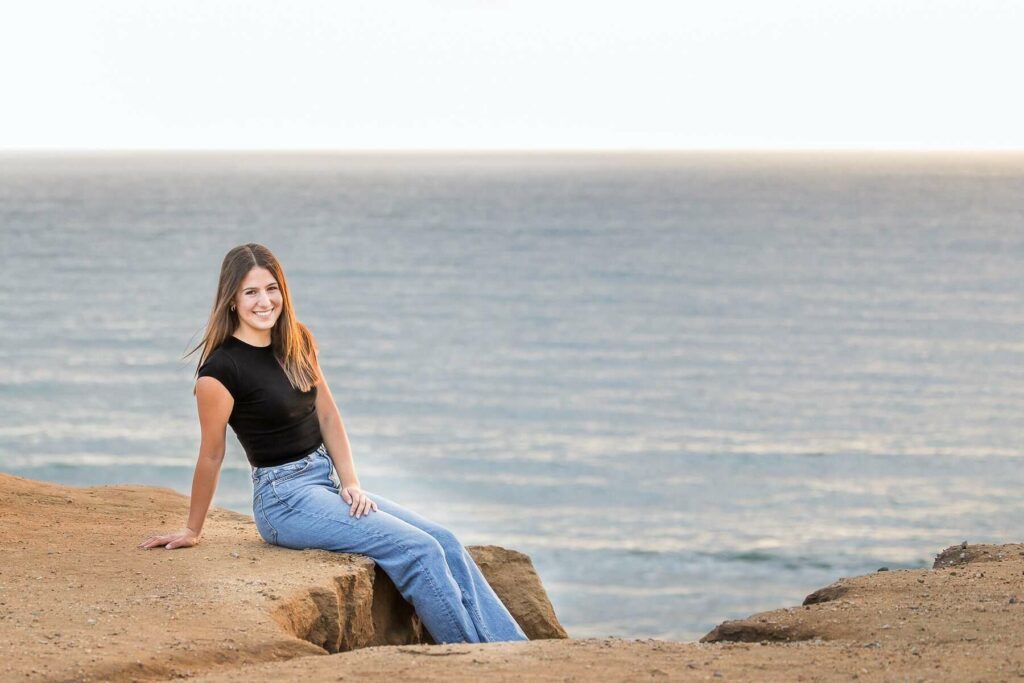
(263,314)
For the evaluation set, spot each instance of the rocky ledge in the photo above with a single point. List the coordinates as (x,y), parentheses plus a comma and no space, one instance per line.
(79,602)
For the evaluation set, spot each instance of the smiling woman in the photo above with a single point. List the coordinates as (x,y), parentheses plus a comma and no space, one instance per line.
(259,373)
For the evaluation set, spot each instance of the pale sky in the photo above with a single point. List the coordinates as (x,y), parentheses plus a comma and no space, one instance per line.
(512,74)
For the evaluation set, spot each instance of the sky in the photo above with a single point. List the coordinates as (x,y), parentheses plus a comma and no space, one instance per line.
(511,74)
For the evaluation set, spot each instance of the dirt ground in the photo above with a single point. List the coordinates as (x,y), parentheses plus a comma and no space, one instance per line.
(79,602)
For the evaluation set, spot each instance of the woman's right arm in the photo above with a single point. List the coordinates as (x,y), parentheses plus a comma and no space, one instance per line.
(215,404)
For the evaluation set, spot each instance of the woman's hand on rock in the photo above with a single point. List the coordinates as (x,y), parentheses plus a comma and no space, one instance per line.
(178,539)
(359,504)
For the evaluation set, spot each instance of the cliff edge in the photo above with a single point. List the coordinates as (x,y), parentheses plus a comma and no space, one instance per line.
(79,602)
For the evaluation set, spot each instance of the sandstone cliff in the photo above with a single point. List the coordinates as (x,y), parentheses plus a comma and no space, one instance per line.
(79,602)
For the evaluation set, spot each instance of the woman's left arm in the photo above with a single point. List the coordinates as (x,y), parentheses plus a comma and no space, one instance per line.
(332,430)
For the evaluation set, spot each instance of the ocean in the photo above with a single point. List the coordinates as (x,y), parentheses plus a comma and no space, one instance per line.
(691,386)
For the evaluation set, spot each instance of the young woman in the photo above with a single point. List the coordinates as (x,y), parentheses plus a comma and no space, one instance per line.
(259,372)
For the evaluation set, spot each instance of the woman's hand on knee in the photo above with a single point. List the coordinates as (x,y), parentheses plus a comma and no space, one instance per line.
(178,539)
(359,504)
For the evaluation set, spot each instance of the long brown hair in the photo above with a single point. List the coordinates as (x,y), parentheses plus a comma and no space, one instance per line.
(292,342)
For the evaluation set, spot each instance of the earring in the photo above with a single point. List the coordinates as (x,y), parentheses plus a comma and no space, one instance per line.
(232,307)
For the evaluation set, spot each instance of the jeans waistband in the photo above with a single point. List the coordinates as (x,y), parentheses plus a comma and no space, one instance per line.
(261,474)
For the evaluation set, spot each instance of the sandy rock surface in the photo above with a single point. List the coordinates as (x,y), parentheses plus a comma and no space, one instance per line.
(79,602)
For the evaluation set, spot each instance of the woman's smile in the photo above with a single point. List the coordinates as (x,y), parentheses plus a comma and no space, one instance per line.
(261,318)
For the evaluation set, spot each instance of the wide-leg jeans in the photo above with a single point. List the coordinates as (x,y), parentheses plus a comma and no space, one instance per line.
(299,505)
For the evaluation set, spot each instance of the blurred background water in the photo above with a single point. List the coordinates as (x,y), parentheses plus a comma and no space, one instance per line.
(689,386)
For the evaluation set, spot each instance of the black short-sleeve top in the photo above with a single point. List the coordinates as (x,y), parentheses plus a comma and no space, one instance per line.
(274,422)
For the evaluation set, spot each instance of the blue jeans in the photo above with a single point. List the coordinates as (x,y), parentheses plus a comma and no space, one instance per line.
(299,505)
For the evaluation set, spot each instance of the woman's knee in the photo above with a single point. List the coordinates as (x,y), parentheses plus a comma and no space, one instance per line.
(423,546)
(448,541)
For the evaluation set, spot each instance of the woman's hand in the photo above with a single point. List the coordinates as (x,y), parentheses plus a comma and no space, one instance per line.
(360,505)
(179,539)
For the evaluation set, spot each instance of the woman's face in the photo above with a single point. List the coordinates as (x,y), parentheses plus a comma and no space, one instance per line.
(258,302)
